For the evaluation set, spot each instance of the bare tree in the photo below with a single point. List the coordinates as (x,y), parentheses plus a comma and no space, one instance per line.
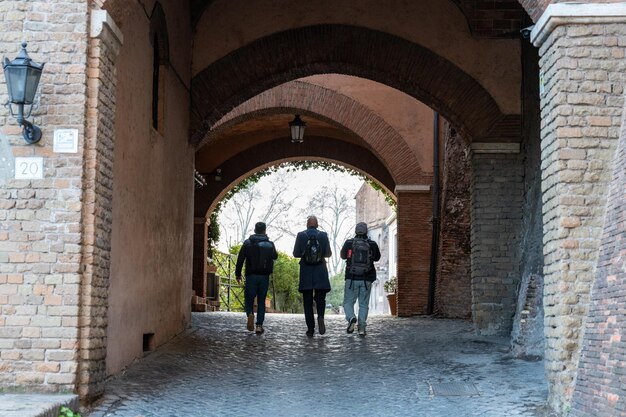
(250,205)
(334,208)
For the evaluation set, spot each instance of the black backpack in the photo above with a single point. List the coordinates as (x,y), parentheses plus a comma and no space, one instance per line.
(361,260)
(261,257)
(313,252)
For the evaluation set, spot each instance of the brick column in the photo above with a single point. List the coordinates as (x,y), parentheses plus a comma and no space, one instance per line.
(583,71)
(414,240)
(104,43)
(599,390)
(497,191)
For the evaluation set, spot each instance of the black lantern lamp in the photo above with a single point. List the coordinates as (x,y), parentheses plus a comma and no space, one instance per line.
(297,127)
(22,77)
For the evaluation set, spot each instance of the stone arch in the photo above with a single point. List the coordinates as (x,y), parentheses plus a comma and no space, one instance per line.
(378,56)
(274,152)
(334,108)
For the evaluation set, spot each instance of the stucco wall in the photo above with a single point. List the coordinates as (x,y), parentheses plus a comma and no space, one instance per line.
(151,255)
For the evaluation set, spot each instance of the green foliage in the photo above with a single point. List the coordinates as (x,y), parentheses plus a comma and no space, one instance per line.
(390,285)
(66,412)
(388,198)
(335,297)
(213,232)
(226,262)
(285,281)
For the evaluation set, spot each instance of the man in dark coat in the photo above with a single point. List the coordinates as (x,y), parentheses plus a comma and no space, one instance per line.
(360,254)
(312,246)
(259,254)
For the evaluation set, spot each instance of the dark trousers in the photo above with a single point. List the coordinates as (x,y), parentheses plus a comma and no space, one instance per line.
(320,302)
(256,286)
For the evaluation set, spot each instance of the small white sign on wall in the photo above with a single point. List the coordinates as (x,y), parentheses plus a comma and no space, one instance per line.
(28,168)
(65,141)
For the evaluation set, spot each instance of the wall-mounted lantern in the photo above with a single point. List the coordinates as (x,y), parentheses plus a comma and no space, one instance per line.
(297,127)
(22,77)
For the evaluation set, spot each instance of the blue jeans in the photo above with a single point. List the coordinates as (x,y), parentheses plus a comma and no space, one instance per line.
(354,290)
(256,286)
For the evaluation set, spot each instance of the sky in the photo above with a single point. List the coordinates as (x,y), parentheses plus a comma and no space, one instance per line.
(300,186)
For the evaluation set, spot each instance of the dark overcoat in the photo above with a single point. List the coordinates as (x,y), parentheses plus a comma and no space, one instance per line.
(312,277)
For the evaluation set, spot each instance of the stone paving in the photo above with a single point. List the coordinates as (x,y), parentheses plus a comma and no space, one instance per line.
(217,368)
(35,405)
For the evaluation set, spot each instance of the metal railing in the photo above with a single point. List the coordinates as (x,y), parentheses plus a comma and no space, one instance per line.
(231,294)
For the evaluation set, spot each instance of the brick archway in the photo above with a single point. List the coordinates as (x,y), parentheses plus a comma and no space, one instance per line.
(337,109)
(274,152)
(500,11)
(349,50)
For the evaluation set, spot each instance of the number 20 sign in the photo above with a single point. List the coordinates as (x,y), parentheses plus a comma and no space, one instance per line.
(30,168)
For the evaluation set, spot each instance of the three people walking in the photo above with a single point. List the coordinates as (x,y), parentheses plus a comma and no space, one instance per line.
(312,247)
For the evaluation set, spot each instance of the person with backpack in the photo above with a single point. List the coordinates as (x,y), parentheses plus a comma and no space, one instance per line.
(312,246)
(259,254)
(360,254)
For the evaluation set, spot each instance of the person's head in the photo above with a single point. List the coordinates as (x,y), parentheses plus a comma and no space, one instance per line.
(361,229)
(311,221)
(259,228)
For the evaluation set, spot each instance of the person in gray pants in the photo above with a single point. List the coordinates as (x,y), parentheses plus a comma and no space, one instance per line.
(360,253)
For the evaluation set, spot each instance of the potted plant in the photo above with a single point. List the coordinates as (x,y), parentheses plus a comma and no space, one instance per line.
(390,288)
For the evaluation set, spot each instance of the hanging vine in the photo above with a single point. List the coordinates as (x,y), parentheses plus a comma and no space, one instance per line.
(290,166)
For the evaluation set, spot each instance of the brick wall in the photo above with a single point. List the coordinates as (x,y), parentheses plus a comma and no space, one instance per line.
(414,241)
(535,8)
(344,111)
(497,195)
(494,19)
(338,49)
(97,209)
(584,72)
(453,296)
(40,220)
(599,389)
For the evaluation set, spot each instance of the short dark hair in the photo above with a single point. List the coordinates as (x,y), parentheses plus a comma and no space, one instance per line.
(311,221)
(259,228)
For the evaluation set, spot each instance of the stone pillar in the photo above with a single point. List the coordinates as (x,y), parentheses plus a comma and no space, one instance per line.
(104,44)
(497,191)
(414,242)
(583,72)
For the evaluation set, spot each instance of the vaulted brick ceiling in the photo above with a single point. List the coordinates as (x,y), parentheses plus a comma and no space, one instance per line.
(497,18)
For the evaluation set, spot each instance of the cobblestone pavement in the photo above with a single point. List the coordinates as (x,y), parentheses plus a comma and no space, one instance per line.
(217,368)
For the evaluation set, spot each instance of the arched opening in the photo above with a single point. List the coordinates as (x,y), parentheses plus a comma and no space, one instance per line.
(400,64)
(224,97)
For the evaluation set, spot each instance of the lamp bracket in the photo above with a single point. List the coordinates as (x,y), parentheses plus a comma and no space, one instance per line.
(31,133)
